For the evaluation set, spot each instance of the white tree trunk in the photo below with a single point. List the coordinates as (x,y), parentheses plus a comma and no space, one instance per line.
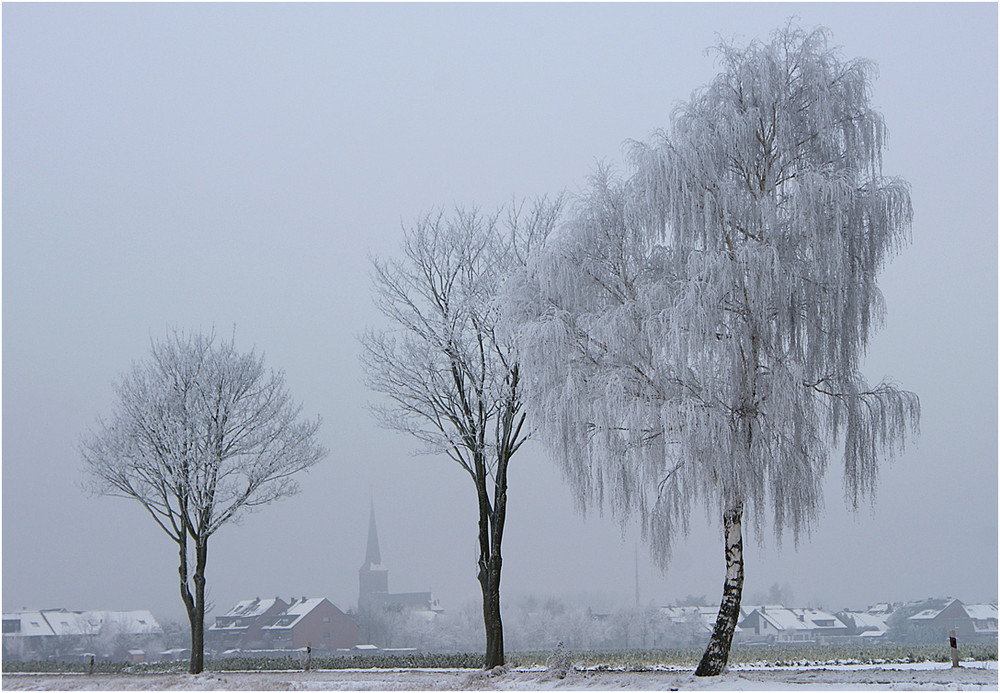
(717,653)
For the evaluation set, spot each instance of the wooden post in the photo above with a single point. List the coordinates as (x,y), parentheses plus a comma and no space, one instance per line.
(309,655)
(91,671)
(954,648)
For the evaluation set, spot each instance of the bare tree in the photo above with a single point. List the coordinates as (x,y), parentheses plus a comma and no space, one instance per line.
(200,434)
(451,381)
(696,333)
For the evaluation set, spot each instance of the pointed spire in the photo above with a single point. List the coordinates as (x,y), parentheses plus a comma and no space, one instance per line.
(372,556)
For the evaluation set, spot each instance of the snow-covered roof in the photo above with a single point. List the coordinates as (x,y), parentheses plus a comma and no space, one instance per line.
(231,626)
(865,620)
(705,616)
(784,618)
(63,623)
(32,624)
(709,613)
(679,612)
(294,613)
(747,609)
(71,623)
(250,608)
(981,611)
(933,607)
(139,622)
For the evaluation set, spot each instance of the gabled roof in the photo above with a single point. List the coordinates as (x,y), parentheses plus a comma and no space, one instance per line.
(882,608)
(251,608)
(64,623)
(865,621)
(72,623)
(32,623)
(140,622)
(705,616)
(294,613)
(784,618)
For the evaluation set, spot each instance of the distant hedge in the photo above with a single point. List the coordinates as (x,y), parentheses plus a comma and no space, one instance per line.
(630,660)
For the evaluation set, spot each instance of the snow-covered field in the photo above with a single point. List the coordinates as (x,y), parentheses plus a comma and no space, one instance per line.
(930,676)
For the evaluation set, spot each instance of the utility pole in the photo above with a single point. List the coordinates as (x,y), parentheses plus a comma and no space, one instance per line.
(637,576)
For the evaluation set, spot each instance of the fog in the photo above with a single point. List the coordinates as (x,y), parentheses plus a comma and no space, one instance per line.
(230,165)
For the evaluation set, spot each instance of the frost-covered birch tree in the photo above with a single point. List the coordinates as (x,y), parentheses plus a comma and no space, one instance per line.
(449,378)
(695,331)
(201,433)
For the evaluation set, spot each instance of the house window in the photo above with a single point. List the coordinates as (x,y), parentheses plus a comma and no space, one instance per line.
(326,636)
(12,625)
(326,619)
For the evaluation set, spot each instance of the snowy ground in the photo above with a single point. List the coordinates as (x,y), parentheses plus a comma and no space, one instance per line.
(971,676)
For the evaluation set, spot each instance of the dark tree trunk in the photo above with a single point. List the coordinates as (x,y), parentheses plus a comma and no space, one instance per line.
(491,617)
(194,604)
(717,653)
(491,525)
(198,625)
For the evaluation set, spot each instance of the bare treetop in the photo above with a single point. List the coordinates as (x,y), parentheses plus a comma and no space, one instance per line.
(201,430)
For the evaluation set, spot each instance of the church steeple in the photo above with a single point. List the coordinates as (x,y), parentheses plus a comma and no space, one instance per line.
(373,557)
(373,579)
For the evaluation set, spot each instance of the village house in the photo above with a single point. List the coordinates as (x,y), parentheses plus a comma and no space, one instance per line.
(984,620)
(62,634)
(274,624)
(862,624)
(694,623)
(969,621)
(783,624)
(240,627)
(315,622)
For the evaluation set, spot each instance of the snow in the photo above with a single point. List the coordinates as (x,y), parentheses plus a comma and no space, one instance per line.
(788,619)
(862,619)
(923,676)
(981,612)
(32,623)
(250,608)
(294,613)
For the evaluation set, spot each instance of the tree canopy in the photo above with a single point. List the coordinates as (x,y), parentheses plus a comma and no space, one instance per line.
(698,327)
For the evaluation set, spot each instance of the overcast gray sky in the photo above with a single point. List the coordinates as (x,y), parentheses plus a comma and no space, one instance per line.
(198,165)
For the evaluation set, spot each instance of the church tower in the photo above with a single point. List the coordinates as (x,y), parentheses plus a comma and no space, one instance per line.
(373,578)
